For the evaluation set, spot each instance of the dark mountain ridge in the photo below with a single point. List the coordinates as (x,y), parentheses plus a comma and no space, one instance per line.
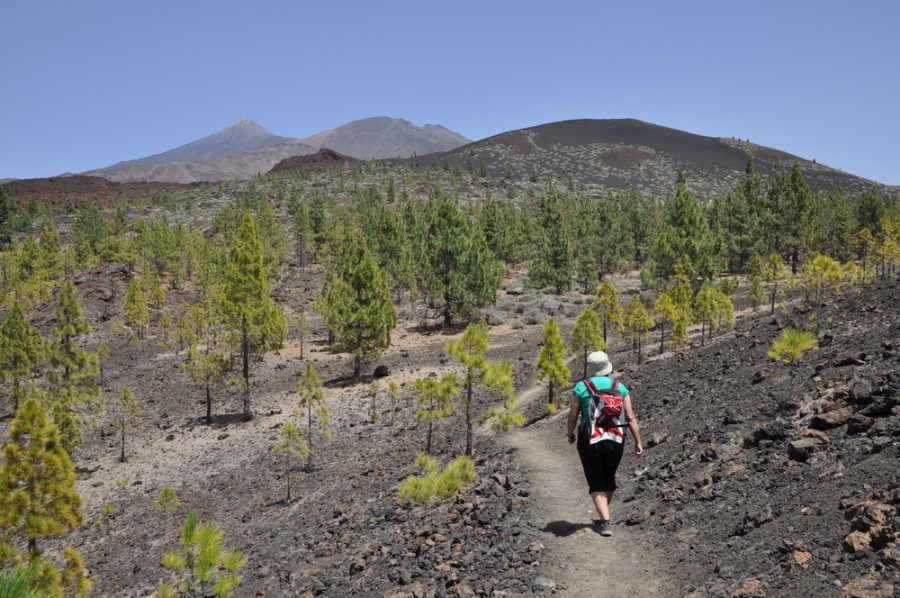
(632,154)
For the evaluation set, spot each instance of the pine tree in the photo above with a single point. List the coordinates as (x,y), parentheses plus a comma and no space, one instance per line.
(496,230)
(137,313)
(586,337)
(686,237)
(301,226)
(819,274)
(20,350)
(249,310)
(207,359)
(364,316)
(294,449)
(554,263)
(706,309)
(434,400)
(870,210)
(302,328)
(606,305)
(38,498)
(738,218)
(773,274)
(790,346)
(667,313)
(125,411)
(272,240)
(637,323)
(201,564)
(312,400)
(551,364)
(75,394)
(795,217)
(460,273)
(682,294)
(471,349)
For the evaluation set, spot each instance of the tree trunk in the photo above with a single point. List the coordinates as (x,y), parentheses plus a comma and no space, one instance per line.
(428,441)
(469,447)
(122,454)
(208,405)
(245,351)
(309,436)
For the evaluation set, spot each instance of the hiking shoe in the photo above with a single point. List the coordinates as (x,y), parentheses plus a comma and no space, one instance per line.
(602,528)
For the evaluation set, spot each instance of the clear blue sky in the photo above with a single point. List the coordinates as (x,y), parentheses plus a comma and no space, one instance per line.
(89,83)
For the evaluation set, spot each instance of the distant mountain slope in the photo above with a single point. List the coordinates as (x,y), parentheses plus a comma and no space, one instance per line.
(243,136)
(245,149)
(223,168)
(631,154)
(385,137)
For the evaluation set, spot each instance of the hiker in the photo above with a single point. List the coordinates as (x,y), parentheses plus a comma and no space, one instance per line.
(601,443)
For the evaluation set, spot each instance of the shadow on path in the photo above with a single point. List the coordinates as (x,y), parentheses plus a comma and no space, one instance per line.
(561,529)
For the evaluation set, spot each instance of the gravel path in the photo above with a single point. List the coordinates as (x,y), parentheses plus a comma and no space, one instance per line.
(581,561)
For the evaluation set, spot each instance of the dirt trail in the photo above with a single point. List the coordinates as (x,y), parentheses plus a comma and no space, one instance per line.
(581,562)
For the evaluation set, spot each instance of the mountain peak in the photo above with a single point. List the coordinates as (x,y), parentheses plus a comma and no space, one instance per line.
(243,136)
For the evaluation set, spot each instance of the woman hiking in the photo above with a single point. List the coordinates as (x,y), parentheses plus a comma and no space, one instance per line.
(601,434)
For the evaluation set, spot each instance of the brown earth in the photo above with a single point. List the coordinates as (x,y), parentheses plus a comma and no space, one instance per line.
(743,490)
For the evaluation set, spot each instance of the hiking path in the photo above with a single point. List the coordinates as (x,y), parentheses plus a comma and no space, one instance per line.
(580,561)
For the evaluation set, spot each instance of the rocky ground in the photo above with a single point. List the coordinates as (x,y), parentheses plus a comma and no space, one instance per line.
(744,490)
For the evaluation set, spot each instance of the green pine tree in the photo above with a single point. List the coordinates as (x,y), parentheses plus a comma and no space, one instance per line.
(554,263)
(434,400)
(706,309)
(471,349)
(460,273)
(312,400)
(364,316)
(586,337)
(667,314)
(248,308)
(637,324)
(686,237)
(137,312)
(75,394)
(551,364)
(606,306)
(293,449)
(201,566)
(38,498)
(125,410)
(20,350)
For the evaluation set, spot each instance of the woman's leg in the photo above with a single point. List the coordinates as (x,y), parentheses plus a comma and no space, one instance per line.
(602,501)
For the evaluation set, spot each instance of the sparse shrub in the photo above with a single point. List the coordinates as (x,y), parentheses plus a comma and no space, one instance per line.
(436,484)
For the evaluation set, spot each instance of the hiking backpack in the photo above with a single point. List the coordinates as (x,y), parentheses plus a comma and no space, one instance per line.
(603,406)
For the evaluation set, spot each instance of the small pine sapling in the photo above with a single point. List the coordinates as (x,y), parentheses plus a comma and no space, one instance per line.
(294,450)
(790,346)
(201,565)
